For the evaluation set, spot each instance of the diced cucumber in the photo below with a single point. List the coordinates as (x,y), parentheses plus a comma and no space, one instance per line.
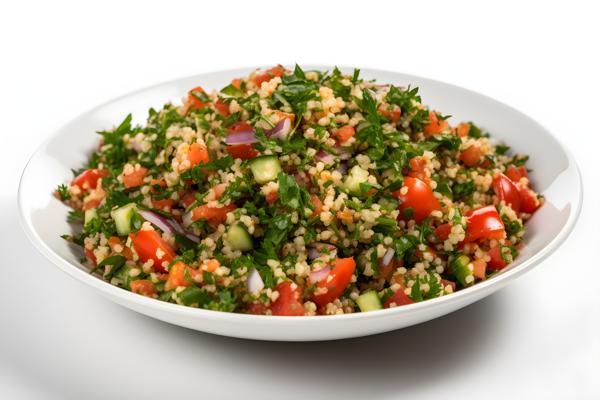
(460,269)
(356,176)
(239,238)
(265,168)
(89,215)
(122,217)
(369,301)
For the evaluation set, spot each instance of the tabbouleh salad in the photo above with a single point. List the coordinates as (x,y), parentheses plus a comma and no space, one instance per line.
(292,192)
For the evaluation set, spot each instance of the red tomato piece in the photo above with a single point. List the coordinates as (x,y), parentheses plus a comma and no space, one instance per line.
(135,178)
(462,130)
(198,154)
(89,254)
(268,75)
(496,261)
(257,309)
(176,276)
(516,173)
(236,83)
(393,115)
(143,287)
(399,298)
(272,197)
(147,244)
(213,215)
(164,204)
(337,281)
(472,156)
(529,200)
(194,101)
(288,303)
(506,190)
(479,269)
(222,108)
(344,133)
(242,151)
(484,223)
(88,179)
(435,125)
(443,231)
(419,198)
(317,204)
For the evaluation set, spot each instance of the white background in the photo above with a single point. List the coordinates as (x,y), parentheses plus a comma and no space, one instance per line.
(537,338)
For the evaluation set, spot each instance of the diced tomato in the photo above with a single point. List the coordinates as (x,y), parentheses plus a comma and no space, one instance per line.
(472,156)
(222,108)
(462,130)
(529,200)
(211,265)
(443,231)
(242,151)
(417,169)
(337,281)
(317,204)
(194,101)
(177,275)
(393,114)
(399,298)
(272,197)
(479,269)
(288,303)
(435,125)
(135,178)
(516,173)
(157,182)
(218,190)
(386,271)
(268,75)
(143,287)
(89,254)
(164,204)
(344,133)
(198,154)
(484,223)
(213,215)
(506,190)
(88,179)
(94,199)
(147,243)
(496,261)
(239,126)
(257,309)
(236,83)
(419,198)
(445,283)
(188,199)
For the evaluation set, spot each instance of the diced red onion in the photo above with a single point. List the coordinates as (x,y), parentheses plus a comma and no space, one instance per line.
(316,250)
(387,257)
(318,275)
(343,153)
(254,283)
(242,137)
(281,130)
(161,222)
(325,157)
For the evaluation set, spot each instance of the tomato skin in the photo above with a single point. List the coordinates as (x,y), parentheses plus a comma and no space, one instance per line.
(516,173)
(212,214)
(268,75)
(222,108)
(242,151)
(529,201)
(462,130)
(176,276)
(236,83)
(146,243)
(272,197)
(496,261)
(479,269)
(435,124)
(135,178)
(164,204)
(344,133)
(194,101)
(472,156)
(115,241)
(288,303)
(417,169)
(198,154)
(443,231)
(393,115)
(506,190)
(484,223)
(88,179)
(445,283)
(419,197)
(399,298)
(337,281)
(257,309)
(143,287)
(317,204)
(89,254)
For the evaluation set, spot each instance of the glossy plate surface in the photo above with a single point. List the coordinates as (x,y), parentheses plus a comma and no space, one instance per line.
(554,174)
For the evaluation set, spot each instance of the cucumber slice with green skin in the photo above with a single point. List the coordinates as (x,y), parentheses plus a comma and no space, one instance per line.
(122,217)
(369,301)
(239,238)
(265,168)
(89,215)
(356,176)
(460,269)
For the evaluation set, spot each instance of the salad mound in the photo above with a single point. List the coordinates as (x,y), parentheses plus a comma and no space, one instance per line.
(292,192)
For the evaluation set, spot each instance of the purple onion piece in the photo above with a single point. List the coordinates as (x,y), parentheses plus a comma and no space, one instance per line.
(159,221)
(325,157)
(281,130)
(243,137)
(387,257)
(319,275)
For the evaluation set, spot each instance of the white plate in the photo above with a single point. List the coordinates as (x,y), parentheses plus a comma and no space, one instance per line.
(555,174)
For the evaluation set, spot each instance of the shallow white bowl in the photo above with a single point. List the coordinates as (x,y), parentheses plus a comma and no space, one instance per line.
(555,174)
